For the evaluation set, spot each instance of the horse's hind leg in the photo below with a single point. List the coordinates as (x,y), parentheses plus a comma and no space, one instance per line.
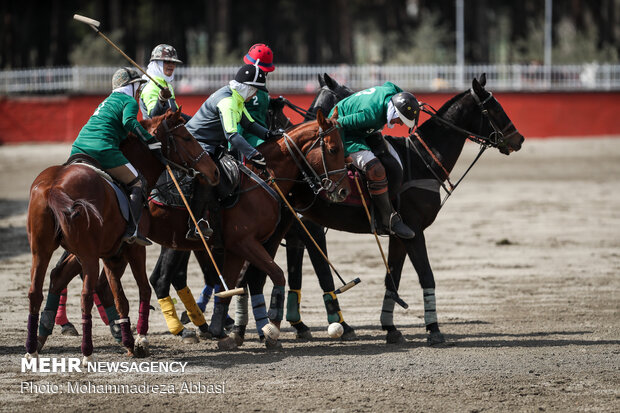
(90,266)
(65,270)
(114,269)
(137,262)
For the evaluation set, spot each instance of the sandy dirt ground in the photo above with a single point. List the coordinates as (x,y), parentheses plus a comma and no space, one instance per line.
(526,256)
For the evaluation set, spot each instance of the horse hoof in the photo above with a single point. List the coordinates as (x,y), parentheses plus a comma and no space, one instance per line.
(227,344)
(205,334)
(349,333)
(271,331)
(185,318)
(238,338)
(30,356)
(434,338)
(188,336)
(303,335)
(86,360)
(272,345)
(68,330)
(395,337)
(141,348)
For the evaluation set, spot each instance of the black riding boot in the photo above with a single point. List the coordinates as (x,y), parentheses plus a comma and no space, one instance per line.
(136,204)
(198,203)
(390,221)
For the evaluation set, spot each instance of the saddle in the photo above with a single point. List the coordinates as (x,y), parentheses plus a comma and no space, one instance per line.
(89,161)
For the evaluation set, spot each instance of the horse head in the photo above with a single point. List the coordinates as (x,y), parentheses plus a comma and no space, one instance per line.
(331,92)
(181,149)
(321,147)
(498,128)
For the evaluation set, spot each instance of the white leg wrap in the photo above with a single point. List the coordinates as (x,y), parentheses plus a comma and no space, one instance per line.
(241,313)
(430,311)
(387,312)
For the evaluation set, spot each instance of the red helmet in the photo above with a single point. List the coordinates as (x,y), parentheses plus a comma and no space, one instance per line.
(262,53)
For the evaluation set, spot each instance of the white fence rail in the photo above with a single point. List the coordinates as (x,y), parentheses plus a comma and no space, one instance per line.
(303,79)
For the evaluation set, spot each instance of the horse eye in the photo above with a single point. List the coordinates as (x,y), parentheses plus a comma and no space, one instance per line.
(332,151)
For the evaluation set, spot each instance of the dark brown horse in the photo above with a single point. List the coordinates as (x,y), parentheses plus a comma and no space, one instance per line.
(474,114)
(74,207)
(254,217)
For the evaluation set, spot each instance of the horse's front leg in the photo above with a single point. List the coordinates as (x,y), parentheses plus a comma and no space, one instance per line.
(114,269)
(396,259)
(137,261)
(416,249)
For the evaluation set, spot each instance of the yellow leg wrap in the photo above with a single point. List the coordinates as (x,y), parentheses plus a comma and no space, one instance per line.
(193,311)
(170,314)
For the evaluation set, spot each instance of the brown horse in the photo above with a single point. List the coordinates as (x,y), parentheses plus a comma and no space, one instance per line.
(253,218)
(74,207)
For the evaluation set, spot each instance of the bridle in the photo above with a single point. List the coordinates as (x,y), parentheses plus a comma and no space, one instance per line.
(495,138)
(315,181)
(186,167)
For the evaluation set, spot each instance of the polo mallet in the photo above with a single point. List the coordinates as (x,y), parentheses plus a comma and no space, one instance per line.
(94,24)
(346,286)
(392,294)
(227,293)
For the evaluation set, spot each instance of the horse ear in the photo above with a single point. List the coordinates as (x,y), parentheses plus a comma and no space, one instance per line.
(483,79)
(477,86)
(321,80)
(320,118)
(335,114)
(331,83)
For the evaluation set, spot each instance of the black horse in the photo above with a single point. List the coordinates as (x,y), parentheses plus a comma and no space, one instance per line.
(428,157)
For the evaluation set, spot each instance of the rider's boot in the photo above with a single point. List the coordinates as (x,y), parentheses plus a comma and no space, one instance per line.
(389,220)
(136,204)
(197,205)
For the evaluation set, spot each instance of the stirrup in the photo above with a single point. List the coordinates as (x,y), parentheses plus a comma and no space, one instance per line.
(141,240)
(399,228)
(194,235)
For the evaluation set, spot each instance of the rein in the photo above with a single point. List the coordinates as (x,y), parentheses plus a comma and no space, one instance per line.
(495,138)
(171,144)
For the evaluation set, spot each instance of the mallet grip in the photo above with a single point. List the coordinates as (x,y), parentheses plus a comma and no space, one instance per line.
(348,286)
(230,293)
(91,22)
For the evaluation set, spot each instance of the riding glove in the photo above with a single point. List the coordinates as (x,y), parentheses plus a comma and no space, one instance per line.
(259,161)
(164,94)
(276,104)
(155,148)
(273,134)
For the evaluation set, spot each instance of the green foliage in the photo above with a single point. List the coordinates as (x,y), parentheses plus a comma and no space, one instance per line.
(574,47)
(93,50)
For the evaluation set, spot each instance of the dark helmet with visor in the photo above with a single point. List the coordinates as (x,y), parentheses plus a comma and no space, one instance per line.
(253,76)
(407,107)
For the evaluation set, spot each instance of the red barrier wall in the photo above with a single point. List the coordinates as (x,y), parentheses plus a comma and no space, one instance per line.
(536,115)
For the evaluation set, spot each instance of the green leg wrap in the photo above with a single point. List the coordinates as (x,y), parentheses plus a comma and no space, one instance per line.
(46,325)
(292,306)
(112,314)
(334,315)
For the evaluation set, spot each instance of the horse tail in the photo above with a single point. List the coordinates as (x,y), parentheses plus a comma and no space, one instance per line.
(64,208)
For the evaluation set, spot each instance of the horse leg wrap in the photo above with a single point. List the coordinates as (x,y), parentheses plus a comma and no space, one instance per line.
(61,313)
(334,315)
(87,334)
(293,301)
(143,318)
(170,314)
(217,319)
(276,305)
(241,313)
(260,312)
(46,325)
(387,312)
(193,311)
(127,337)
(101,310)
(430,311)
(31,339)
(112,316)
(203,298)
